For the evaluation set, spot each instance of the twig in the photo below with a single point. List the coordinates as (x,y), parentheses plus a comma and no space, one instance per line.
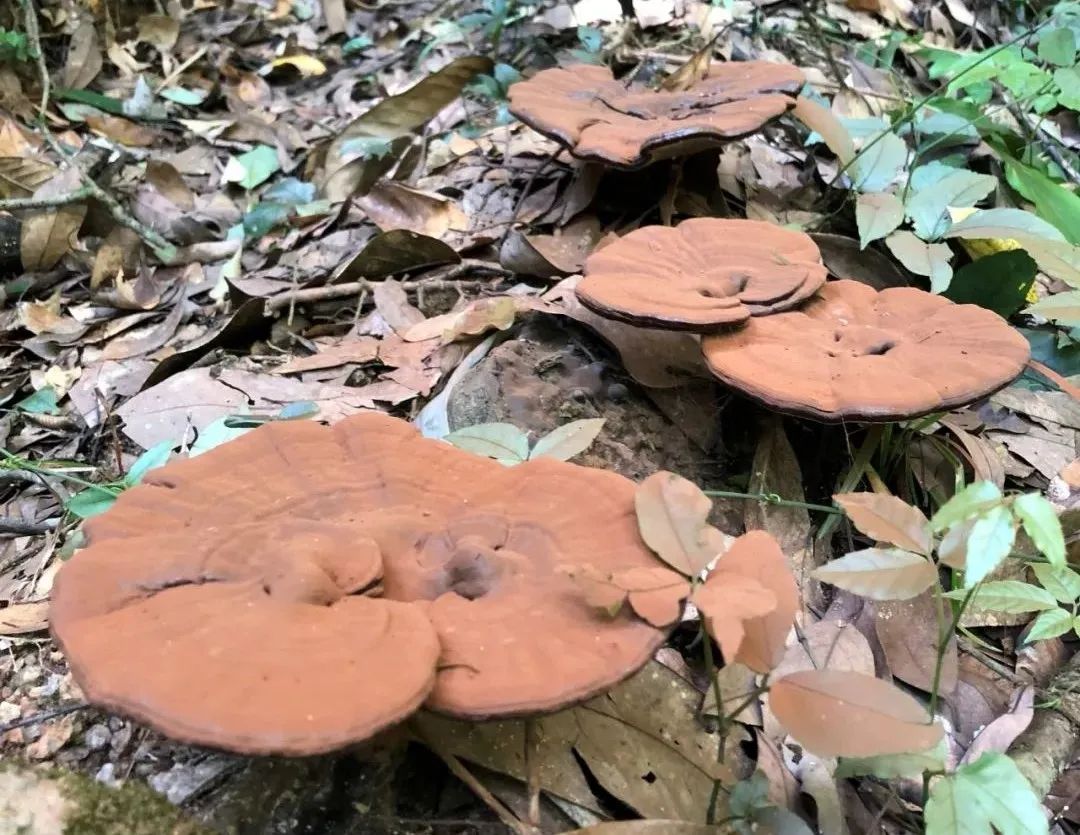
(479,789)
(773,499)
(446,280)
(164,250)
(175,74)
(21,527)
(15,204)
(42,716)
(1046,140)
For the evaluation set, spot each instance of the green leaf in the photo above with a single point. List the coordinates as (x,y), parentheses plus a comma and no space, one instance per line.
(216,434)
(1053,202)
(991,538)
(1058,47)
(921,258)
(149,460)
(877,214)
(568,440)
(494,440)
(972,500)
(1058,259)
(894,765)
(1068,80)
(1024,79)
(1049,624)
(1041,523)
(998,282)
(1004,223)
(1010,596)
(880,573)
(1059,580)
(1063,308)
(880,164)
(982,797)
(41,402)
(90,502)
(928,208)
(252,168)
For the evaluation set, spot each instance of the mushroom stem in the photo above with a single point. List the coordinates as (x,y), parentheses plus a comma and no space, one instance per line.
(458,769)
(532,773)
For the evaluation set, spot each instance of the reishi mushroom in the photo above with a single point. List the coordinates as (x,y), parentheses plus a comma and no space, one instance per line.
(601,119)
(703,275)
(856,353)
(303,587)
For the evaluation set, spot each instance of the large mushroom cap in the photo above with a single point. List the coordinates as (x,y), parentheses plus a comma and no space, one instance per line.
(852,352)
(702,275)
(303,587)
(601,119)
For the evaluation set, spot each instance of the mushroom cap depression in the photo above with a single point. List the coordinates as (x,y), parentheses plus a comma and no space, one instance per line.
(854,353)
(303,587)
(601,119)
(702,275)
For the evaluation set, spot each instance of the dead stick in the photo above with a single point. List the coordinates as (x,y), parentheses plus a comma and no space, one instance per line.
(532,772)
(479,789)
(16,204)
(1045,749)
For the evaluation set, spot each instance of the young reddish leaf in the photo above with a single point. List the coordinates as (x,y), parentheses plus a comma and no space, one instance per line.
(671,513)
(888,519)
(757,556)
(726,601)
(834,713)
(656,594)
(880,573)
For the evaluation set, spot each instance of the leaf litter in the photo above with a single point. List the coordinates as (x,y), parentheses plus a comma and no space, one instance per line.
(331,208)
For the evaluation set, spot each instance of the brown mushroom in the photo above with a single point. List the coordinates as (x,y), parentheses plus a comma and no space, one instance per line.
(702,275)
(601,119)
(303,587)
(854,353)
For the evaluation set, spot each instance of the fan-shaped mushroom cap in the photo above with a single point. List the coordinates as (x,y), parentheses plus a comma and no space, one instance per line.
(230,600)
(601,119)
(852,352)
(702,275)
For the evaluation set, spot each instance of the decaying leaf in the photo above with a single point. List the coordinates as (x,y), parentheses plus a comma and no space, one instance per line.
(843,714)
(48,234)
(909,632)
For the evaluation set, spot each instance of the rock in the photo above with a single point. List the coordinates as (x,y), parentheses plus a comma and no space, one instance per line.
(553,373)
(97,737)
(187,779)
(50,802)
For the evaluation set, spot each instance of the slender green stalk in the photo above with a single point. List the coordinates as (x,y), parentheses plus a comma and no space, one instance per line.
(943,644)
(773,499)
(13,462)
(855,473)
(710,671)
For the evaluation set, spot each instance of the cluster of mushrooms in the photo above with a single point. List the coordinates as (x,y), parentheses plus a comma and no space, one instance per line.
(304,587)
(772,327)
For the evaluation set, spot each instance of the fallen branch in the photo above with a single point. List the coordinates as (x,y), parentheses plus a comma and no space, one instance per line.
(42,716)
(447,279)
(1046,748)
(21,527)
(17,204)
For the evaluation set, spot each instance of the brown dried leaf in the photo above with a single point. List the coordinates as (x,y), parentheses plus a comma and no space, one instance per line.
(671,513)
(842,714)
(358,350)
(393,205)
(21,177)
(888,519)
(84,59)
(20,618)
(757,556)
(908,632)
(694,70)
(394,306)
(824,121)
(1003,731)
(119,255)
(122,131)
(49,234)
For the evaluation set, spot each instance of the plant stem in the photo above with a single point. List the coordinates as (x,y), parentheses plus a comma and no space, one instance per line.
(773,499)
(855,473)
(710,671)
(16,463)
(943,644)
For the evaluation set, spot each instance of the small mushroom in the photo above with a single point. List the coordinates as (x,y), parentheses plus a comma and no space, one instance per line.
(303,587)
(854,353)
(601,119)
(702,275)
